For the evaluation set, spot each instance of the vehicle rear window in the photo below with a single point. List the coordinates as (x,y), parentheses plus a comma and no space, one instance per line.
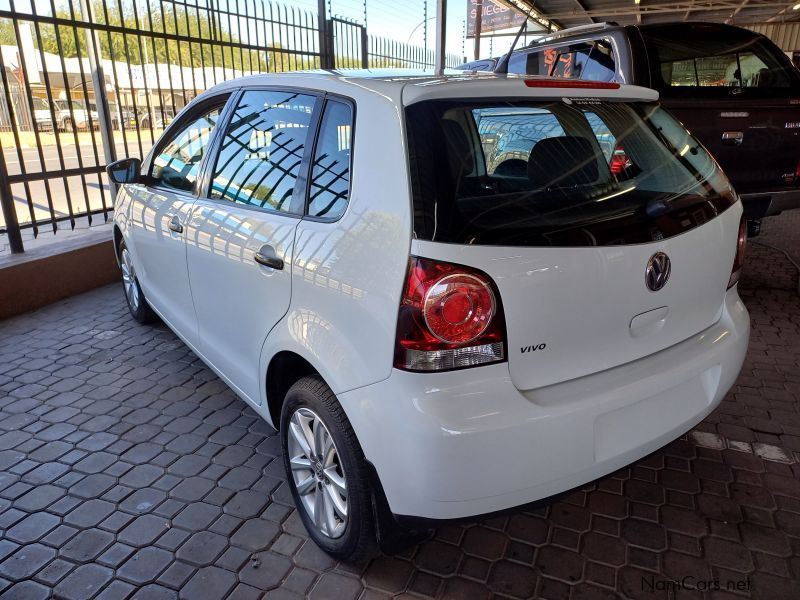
(593,62)
(558,173)
(714,58)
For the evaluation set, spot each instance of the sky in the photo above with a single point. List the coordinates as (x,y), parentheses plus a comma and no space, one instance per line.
(407,21)
(404,22)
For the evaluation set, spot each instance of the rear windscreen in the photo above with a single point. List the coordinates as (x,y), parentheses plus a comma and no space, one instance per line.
(713,58)
(559,173)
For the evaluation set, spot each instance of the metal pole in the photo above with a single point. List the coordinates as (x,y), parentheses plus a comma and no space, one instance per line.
(9,211)
(441,35)
(325,59)
(100,98)
(425,24)
(478,23)
(364,49)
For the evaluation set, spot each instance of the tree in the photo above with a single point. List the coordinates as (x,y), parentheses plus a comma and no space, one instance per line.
(208,42)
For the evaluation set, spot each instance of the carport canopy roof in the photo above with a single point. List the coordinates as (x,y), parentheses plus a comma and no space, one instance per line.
(572,13)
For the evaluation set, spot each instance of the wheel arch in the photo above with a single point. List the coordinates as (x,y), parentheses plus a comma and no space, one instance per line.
(284,370)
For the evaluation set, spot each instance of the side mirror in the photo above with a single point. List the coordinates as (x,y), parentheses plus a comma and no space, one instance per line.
(127,170)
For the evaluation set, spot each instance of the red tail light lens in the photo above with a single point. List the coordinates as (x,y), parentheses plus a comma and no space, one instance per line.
(619,160)
(738,260)
(458,308)
(450,318)
(571,83)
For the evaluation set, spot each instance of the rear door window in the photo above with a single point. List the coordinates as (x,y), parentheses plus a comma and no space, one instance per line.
(330,172)
(744,69)
(714,58)
(593,62)
(262,150)
(527,63)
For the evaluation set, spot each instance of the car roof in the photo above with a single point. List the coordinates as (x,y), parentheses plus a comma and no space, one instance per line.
(405,86)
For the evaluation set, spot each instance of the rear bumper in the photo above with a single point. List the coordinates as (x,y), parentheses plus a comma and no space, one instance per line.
(757,205)
(464,443)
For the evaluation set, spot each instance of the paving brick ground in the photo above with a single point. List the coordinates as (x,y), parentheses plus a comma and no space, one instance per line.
(128,470)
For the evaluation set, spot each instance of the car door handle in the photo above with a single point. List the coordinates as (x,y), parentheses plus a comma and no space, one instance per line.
(732,138)
(266,256)
(175,224)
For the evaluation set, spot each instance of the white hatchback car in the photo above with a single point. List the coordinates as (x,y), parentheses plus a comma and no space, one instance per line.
(452,295)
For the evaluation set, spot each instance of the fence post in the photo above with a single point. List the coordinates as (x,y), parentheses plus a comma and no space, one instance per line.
(100,98)
(441,35)
(9,210)
(364,49)
(325,37)
(478,26)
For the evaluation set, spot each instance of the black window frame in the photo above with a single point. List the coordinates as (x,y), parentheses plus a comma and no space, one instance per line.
(189,113)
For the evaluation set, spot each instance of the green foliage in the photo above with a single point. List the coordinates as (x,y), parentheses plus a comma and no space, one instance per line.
(7,36)
(155,16)
(209,38)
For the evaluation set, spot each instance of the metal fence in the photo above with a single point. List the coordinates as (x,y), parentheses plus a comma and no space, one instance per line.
(85,81)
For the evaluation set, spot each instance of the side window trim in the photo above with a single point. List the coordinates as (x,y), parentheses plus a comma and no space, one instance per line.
(303,183)
(210,159)
(296,207)
(176,126)
(313,150)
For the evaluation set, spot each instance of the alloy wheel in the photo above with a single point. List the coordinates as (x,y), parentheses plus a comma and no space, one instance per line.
(317,472)
(129,280)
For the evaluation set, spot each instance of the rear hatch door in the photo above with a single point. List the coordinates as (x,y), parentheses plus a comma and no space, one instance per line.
(525,192)
(575,311)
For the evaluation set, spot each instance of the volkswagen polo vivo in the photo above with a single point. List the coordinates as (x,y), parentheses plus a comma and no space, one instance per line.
(449,294)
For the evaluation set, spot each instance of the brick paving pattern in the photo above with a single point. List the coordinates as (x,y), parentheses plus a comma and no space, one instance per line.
(128,470)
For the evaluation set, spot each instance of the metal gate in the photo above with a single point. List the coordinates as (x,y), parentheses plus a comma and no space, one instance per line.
(83,81)
(349,44)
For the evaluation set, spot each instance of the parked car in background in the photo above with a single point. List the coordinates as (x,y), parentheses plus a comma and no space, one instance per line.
(436,333)
(120,115)
(156,117)
(42,115)
(77,116)
(732,88)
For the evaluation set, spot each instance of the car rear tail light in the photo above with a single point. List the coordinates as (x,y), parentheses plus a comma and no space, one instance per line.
(571,83)
(450,318)
(738,260)
(619,160)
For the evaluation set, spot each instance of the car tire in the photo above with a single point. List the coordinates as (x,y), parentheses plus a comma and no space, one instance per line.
(67,126)
(313,420)
(134,296)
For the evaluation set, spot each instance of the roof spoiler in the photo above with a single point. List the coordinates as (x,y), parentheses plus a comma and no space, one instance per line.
(579,29)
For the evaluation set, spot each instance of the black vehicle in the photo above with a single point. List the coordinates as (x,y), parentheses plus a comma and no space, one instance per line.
(732,88)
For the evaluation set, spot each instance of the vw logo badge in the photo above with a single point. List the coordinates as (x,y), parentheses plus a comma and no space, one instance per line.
(657,273)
